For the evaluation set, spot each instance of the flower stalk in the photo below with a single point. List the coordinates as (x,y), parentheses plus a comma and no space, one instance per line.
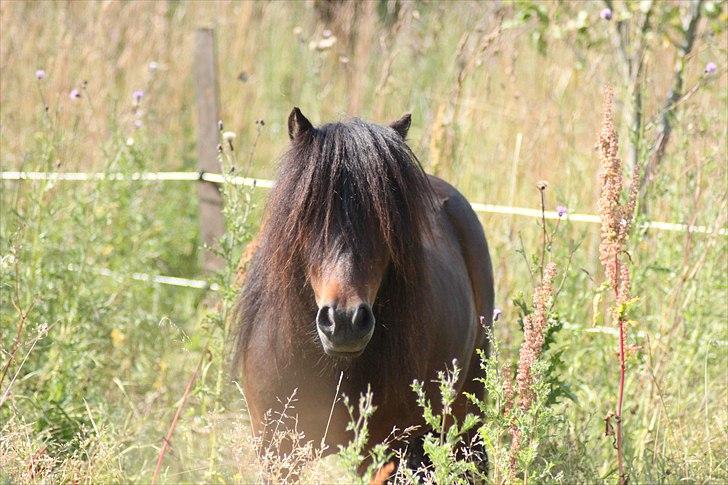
(617,220)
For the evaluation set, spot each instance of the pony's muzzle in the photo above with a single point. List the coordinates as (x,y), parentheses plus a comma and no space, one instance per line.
(344,332)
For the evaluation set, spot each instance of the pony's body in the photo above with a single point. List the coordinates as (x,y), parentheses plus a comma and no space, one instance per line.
(428,313)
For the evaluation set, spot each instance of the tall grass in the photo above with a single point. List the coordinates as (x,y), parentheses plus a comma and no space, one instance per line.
(502,97)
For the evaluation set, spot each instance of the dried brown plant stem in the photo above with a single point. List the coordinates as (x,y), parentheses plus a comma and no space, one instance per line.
(18,336)
(331,411)
(173,425)
(43,330)
(389,43)
(22,318)
(444,136)
(514,179)
(542,188)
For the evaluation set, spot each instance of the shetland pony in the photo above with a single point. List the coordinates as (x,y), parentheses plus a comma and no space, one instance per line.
(364,266)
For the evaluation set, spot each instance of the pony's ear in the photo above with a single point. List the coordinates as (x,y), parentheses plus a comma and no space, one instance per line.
(402,125)
(297,124)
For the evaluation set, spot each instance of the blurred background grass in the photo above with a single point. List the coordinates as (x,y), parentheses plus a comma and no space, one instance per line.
(493,114)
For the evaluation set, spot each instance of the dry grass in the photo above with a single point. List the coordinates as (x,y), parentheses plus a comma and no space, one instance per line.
(491,113)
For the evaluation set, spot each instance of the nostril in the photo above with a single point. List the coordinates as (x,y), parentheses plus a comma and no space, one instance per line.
(363,317)
(323,318)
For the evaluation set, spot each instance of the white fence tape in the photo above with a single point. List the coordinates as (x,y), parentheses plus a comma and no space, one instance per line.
(147,278)
(138,176)
(527,212)
(267,184)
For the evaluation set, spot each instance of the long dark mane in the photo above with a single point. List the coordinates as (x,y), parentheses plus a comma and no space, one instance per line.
(352,183)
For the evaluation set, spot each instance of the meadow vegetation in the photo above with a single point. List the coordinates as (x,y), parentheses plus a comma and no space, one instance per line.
(507,103)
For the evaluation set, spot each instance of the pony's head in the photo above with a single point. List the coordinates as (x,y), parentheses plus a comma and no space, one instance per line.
(346,218)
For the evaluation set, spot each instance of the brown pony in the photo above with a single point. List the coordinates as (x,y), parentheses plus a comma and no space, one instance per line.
(365,265)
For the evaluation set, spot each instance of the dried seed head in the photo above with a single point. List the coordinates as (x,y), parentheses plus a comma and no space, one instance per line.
(535,325)
(616,216)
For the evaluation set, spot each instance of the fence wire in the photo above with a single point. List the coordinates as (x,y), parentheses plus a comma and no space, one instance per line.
(267,184)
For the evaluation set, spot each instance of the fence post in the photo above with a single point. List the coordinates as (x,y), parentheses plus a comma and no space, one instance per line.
(208,114)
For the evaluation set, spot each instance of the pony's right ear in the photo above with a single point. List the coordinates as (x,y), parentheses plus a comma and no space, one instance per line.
(298,124)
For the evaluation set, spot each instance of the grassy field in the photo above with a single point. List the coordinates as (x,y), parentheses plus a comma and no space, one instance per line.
(502,97)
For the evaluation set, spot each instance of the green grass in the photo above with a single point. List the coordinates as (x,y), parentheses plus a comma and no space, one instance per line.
(102,362)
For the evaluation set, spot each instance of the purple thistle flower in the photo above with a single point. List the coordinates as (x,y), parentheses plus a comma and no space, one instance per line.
(710,68)
(40,74)
(496,314)
(74,94)
(561,211)
(606,14)
(137,95)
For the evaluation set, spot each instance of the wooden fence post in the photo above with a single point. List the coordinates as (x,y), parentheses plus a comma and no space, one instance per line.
(212,224)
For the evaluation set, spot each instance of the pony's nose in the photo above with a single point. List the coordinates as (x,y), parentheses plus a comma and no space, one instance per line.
(345,329)
(363,317)
(325,320)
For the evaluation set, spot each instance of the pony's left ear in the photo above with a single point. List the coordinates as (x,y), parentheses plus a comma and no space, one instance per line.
(402,125)
(297,124)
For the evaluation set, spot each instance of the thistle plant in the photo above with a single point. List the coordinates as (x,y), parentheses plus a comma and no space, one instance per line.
(353,454)
(617,217)
(446,446)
